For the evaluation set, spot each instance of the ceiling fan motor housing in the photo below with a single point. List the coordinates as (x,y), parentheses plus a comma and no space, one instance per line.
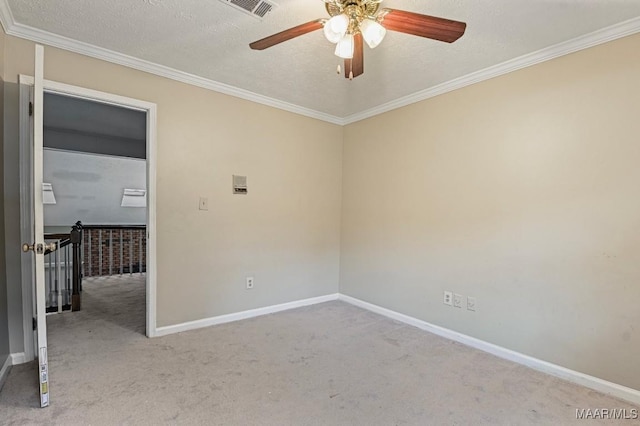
(356,9)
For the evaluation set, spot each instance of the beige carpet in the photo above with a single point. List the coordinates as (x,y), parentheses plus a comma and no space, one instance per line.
(328,364)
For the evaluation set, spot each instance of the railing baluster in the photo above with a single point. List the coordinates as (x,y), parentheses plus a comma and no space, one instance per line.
(67,276)
(76,243)
(121,266)
(130,251)
(50,289)
(80,248)
(100,252)
(81,253)
(110,251)
(58,254)
(89,260)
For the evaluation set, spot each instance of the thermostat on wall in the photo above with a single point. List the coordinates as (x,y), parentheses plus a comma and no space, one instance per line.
(239,184)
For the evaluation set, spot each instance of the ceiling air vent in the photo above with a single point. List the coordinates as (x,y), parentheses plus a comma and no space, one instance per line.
(255,8)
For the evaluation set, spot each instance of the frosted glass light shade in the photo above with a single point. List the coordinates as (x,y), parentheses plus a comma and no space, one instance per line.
(336,27)
(344,48)
(372,32)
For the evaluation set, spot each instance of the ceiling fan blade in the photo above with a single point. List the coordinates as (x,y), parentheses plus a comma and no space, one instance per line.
(422,25)
(355,65)
(285,35)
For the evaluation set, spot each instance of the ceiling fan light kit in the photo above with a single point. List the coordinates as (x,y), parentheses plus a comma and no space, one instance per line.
(336,27)
(349,18)
(345,47)
(372,32)
(354,22)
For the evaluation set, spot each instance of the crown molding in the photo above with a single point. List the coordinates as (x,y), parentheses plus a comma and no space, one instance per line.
(586,41)
(44,37)
(595,38)
(6,16)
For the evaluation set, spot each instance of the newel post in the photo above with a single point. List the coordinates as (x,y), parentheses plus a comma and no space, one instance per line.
(76,240)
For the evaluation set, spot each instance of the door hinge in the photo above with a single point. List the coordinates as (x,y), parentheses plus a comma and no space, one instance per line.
(34,323)
(30,108)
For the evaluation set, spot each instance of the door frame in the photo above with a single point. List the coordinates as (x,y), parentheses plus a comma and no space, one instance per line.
(27,186)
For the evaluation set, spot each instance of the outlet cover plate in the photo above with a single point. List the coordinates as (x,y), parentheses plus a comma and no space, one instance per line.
(457,300)
(471,304)
(447,298)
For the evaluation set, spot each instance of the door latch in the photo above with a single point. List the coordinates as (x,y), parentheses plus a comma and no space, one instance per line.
(39,248)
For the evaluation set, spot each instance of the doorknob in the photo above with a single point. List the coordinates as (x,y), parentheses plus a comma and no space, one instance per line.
(39,248)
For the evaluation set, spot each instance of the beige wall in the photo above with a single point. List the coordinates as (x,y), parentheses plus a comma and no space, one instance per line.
(285,232)
(522,191)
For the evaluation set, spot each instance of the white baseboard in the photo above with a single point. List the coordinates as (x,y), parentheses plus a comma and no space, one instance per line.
(4,371)
(609,388)
(206,322)
(18,358)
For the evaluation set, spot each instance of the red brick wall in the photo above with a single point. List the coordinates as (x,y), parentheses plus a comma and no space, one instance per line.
(94,239)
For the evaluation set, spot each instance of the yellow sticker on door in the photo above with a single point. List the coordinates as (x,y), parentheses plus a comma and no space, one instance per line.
(44,378)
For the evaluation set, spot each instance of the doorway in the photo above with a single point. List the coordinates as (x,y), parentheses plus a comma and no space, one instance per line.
(61,93)
(94,174)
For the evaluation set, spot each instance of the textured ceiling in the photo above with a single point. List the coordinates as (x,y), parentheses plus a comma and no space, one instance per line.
(210,39)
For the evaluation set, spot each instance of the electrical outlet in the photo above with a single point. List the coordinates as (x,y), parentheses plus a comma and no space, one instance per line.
(448,298)
(249,283)
(457,300)
(203,204)
(471,304)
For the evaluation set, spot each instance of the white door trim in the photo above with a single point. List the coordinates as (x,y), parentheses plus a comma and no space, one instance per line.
(27,266)
(38,221)
(152,120)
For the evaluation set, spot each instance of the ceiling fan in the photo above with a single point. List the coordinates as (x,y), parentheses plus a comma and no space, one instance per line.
(354,22)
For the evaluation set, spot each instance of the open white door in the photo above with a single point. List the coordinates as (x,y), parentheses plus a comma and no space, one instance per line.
(39,247)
